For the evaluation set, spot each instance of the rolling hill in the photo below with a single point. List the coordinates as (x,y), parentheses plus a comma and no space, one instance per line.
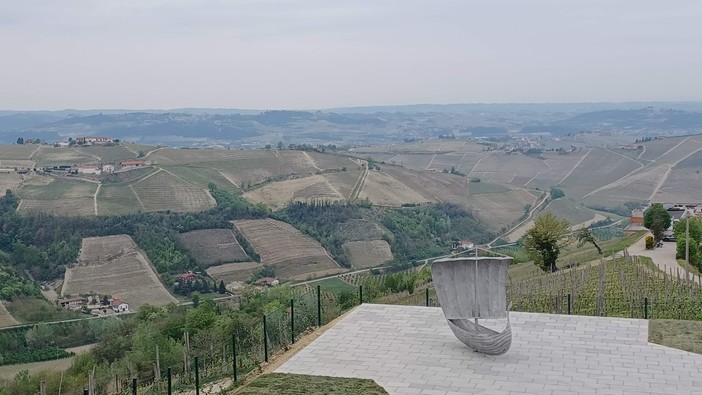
(397,175)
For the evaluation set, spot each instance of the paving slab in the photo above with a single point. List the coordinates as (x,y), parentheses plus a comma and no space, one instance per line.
(411,350)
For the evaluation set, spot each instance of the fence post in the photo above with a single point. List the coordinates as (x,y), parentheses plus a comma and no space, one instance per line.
(265,340)
(570,304)
(134,386)
(292,321)
(197,376)
(234,355)
(360,294)
(170,387)
(426,296)
(645,308)
(319,305)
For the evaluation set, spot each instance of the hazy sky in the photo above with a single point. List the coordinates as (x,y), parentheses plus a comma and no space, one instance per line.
(318,54)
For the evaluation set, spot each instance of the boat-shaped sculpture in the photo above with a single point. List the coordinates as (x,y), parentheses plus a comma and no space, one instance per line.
(470,289)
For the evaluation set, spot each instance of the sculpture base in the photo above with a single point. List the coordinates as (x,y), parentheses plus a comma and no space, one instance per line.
(481,339)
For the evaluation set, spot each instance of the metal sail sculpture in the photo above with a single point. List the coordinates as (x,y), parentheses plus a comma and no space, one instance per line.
(473,288)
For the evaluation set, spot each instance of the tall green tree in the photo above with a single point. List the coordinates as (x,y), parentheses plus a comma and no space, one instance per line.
(545,240)
(695,228)
(657,220)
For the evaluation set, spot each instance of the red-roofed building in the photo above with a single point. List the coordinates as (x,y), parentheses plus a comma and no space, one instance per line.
(187,277)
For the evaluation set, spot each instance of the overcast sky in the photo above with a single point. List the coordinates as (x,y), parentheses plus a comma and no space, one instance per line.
(318,54)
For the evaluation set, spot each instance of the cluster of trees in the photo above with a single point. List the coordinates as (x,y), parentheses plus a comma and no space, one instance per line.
(549,235)
(557,193)
(323,221)
(47,341)
(127,347)
(423,232)
(200,285)
(261,273)
(12,284)
(695,232)
(42,244)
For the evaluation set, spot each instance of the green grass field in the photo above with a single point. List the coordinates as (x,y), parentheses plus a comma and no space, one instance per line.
(30,310)
(683,335)
(289,384)
(334,285)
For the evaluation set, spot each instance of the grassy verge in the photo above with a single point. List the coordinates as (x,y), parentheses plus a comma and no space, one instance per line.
(30,310)
(523,271)
(683,335)
(281,383)
(648,262)
(691,268)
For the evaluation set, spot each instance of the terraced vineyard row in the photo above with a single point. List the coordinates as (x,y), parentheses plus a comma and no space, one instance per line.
(203,177)
(293,255)
(163,191)
(621,287)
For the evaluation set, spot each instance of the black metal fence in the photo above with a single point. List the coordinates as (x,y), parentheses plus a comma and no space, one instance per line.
(225,364)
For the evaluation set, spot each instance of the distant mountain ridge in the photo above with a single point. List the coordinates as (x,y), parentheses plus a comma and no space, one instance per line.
(358,125)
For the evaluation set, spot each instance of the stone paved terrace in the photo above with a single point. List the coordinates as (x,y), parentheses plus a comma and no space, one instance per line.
(411,350)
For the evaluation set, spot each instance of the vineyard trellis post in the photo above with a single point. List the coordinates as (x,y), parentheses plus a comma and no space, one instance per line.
(319,305)
(292,321)
(234,355)
(197,376)
(170,383)
(265,340)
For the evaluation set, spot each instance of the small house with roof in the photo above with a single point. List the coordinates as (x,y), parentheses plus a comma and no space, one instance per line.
(71,302)
(132,164)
